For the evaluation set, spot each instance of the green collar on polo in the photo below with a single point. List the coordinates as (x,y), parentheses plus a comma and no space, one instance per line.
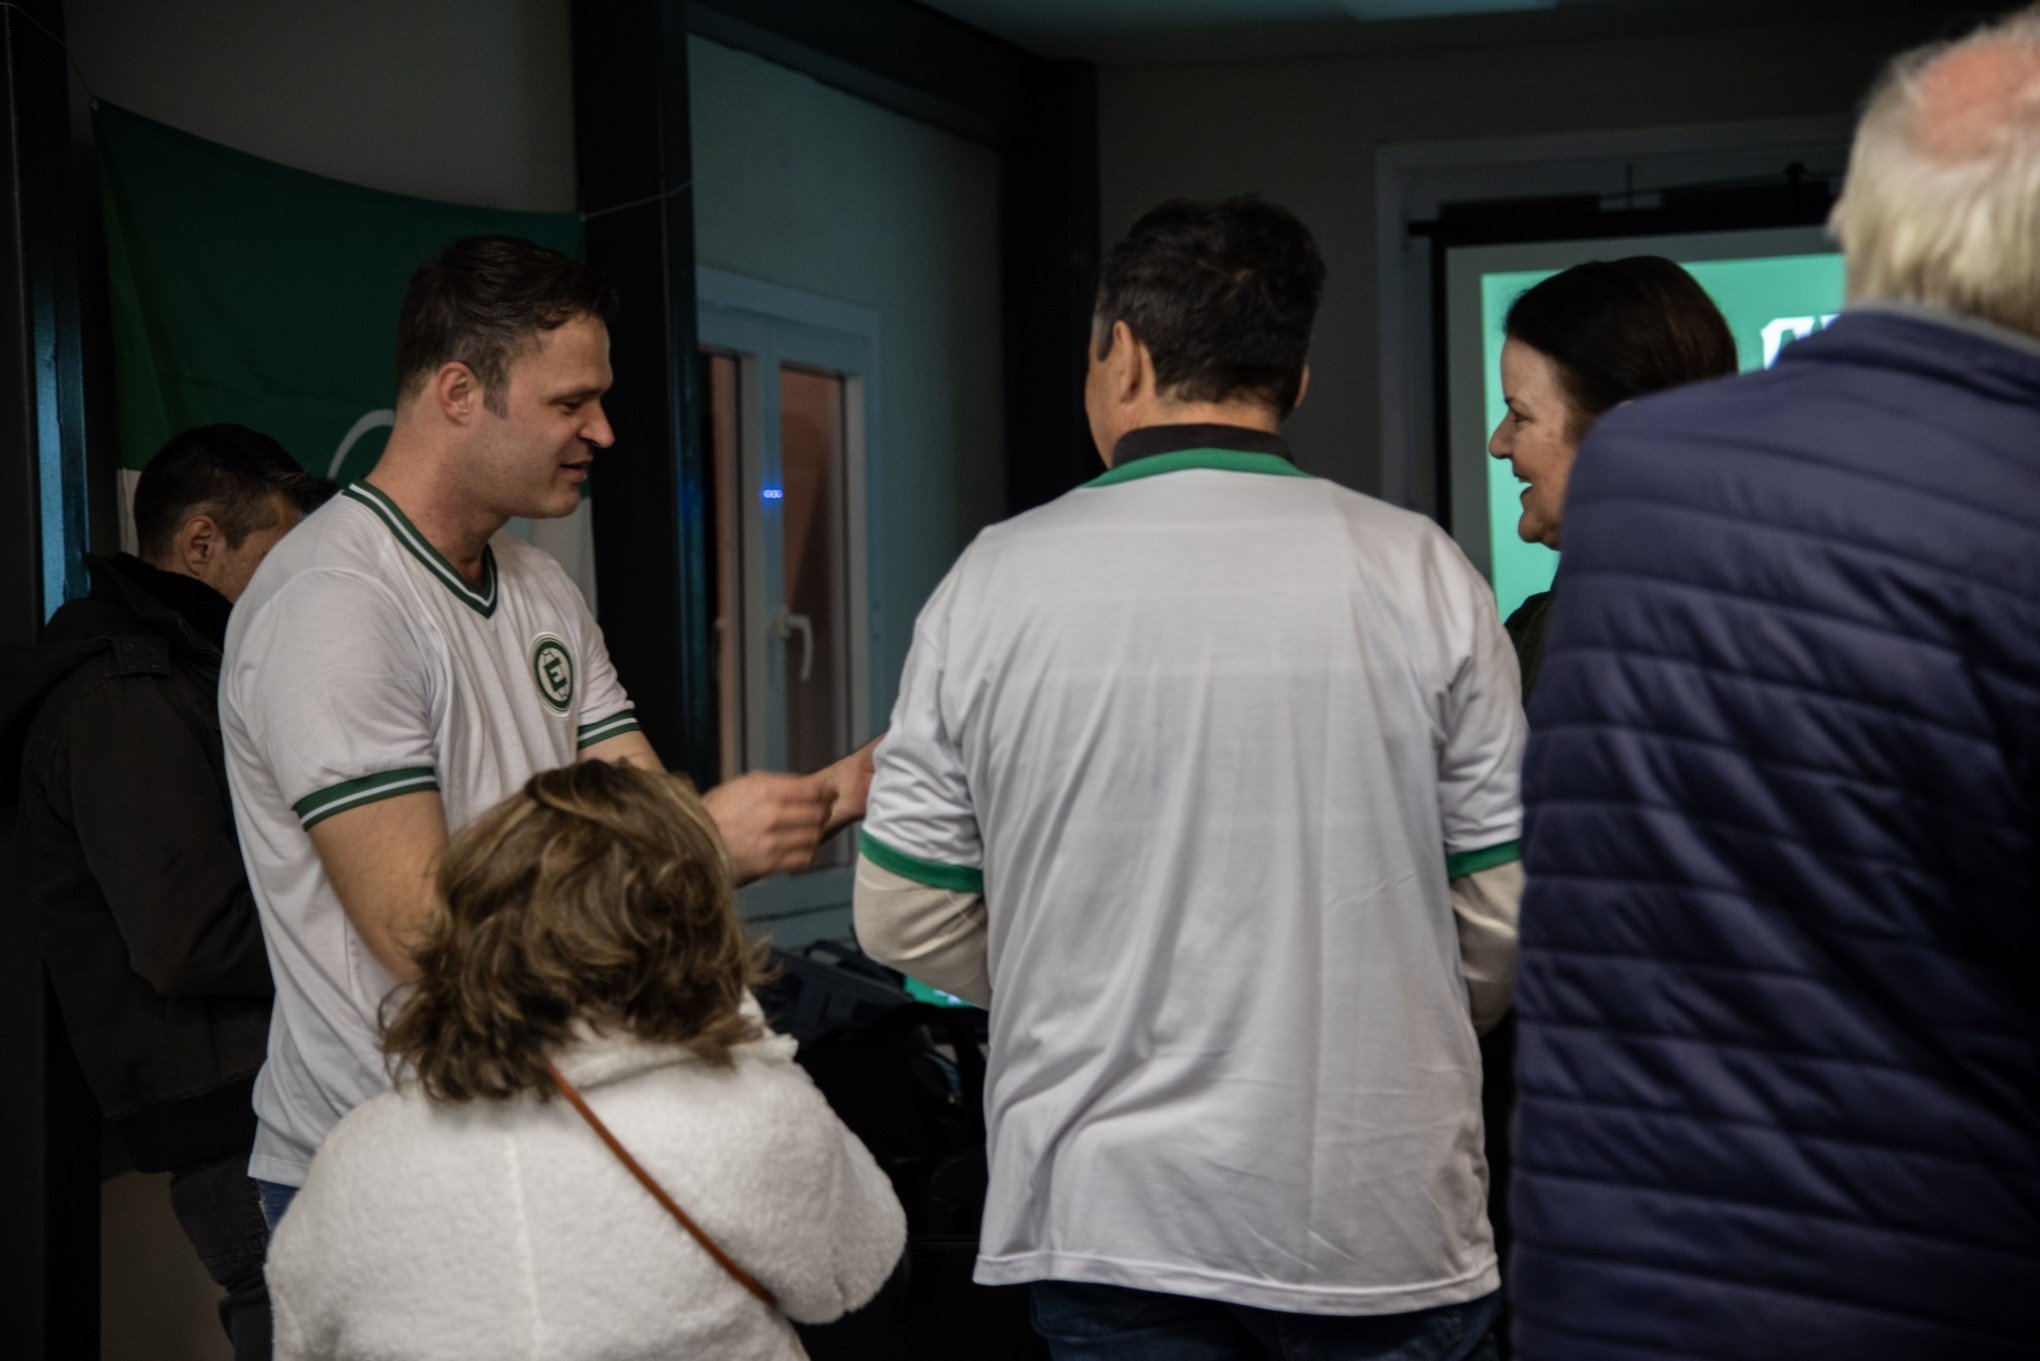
(1157,449)
(482,600)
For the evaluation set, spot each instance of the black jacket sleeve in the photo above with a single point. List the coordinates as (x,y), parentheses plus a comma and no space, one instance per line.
(152,817)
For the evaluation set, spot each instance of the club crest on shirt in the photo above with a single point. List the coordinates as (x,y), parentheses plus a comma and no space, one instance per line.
(552,671)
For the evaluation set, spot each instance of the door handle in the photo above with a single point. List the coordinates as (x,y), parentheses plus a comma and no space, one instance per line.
(786,623)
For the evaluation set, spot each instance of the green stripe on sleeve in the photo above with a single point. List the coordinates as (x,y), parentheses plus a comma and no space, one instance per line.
(313,809)
(930,872)
(1473,862)
(588,734)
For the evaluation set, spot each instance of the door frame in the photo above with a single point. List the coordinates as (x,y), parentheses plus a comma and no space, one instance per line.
(633,153)
(768,325)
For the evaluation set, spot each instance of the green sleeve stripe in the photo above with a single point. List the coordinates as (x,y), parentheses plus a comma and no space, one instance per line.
(614,726)
(930,872)
(315,808)
(1473,862)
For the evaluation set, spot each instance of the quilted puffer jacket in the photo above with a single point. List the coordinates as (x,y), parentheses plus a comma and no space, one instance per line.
(1780,990)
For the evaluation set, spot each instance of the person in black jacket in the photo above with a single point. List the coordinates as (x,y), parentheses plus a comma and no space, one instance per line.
(127,839)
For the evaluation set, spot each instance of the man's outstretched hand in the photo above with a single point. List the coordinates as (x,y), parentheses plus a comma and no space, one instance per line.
(771,823)
(774,824)
(849,782)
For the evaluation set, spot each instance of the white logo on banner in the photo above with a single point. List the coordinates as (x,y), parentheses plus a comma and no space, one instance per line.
(374,420)
(1785,330)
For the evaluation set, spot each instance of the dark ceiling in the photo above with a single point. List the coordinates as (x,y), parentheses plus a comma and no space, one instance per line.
(1141,32)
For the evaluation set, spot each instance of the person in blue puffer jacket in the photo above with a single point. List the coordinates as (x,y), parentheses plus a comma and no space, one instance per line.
(1780,985)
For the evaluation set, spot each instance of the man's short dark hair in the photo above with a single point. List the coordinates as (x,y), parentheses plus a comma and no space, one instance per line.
(482,302)
(1222,294)
(228,472)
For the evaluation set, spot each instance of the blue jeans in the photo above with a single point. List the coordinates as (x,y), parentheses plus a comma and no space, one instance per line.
(276,1198)
(1116,1323)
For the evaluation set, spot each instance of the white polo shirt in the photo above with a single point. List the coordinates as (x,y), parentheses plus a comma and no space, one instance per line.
(1207,733)
(360,666)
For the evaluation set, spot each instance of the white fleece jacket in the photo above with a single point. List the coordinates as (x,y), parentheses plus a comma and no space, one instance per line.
(491,1231)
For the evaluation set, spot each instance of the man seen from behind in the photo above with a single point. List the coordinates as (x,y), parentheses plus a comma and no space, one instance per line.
(1187,773)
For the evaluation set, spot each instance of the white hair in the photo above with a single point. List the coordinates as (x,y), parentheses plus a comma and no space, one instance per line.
(1942,205)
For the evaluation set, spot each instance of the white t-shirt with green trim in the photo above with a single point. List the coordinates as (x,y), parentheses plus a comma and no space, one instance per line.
(360,666)
(1206,733)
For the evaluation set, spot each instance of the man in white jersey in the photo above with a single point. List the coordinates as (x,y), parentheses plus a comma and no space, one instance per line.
(406,665)
(1203,778)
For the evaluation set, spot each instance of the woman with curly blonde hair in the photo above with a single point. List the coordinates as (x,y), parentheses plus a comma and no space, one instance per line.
(689,1193)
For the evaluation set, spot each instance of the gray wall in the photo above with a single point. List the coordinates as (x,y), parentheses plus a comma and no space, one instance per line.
(465,100)
(1305,134)
(805,186)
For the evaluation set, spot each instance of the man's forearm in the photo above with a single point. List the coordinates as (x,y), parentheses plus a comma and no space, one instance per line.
(382,858)
(1485,905)
(625,749)
(935,935)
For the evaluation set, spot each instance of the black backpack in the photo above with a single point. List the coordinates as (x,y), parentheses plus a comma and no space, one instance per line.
(908,1079)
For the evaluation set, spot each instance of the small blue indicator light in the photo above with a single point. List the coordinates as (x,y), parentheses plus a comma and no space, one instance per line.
(774,494)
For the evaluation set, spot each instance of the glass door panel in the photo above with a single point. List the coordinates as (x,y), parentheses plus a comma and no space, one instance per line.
(813,535)
(811,473)
(788,382)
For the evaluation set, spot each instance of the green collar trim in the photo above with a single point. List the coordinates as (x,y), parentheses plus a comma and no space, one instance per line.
(1220,460)
(482,602)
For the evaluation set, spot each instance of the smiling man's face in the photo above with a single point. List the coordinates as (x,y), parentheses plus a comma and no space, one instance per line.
(542,434)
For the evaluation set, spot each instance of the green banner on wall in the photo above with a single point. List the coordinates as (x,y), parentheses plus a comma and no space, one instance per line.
(246,291)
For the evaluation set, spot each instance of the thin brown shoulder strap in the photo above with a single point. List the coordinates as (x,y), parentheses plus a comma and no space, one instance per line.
(700,1235)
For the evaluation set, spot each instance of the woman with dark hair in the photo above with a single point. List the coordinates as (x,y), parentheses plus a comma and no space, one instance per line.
(594,1147)
(1579,344)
